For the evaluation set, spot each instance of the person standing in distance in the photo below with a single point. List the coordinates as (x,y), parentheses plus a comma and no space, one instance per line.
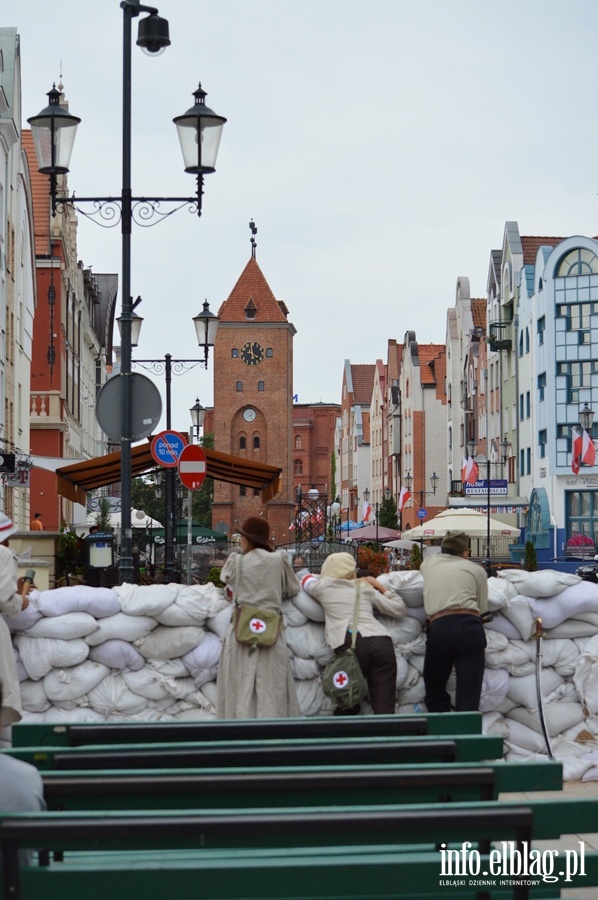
(455,598)
(36,523)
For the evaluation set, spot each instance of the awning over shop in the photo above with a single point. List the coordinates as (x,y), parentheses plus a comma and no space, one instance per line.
(74,481)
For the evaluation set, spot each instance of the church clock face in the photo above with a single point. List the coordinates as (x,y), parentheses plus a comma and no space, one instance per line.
(252,353)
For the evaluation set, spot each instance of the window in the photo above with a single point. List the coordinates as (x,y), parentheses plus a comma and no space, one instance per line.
(239,386)
(298,467)
(543,440)
(297,442)
(269,352)
(578,376)
(256,442)
(234,352)
(522,461)
(242,490)
(256,492)
(242,443)
(527,405)
(520,407)
(541,385)
(541,329)
(578,262)
(521,344)
(528,457)
(260,386)
(527,340)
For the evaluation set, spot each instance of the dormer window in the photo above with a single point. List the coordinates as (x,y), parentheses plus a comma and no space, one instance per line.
(250,309)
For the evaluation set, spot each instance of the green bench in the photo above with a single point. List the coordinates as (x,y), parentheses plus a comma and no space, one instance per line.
(294,786)
(308,751)
(246,729)
(362,852)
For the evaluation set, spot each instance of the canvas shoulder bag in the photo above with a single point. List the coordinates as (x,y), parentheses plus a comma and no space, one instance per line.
(342,679)
(252,625)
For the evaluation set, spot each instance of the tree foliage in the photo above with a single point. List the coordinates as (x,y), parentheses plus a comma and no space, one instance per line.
(388,513)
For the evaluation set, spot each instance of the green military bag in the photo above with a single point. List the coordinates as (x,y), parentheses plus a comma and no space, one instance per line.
(342,679)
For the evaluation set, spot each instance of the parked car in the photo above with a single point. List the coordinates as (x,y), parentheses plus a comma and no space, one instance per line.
(589,572)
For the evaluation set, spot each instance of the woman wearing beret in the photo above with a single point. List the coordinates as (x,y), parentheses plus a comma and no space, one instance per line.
(257,683)
(334,589)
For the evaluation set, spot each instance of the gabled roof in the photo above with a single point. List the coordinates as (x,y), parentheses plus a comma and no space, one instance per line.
(40,190)
(531,246)
(428,353)
(363,382)
(252,291)
(478,313)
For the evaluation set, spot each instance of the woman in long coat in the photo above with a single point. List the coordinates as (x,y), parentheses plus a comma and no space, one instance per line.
(257,683)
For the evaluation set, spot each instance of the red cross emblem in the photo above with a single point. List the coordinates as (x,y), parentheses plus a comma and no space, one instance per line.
(341,679)
(257,626)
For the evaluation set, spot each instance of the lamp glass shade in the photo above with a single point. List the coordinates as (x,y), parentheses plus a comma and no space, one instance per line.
(200,131)
(198,415)
(586,417)
(366,495)
(206,326)
(53,131)
(136,323)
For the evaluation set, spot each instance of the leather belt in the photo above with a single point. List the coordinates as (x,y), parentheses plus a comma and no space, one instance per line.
(454,612)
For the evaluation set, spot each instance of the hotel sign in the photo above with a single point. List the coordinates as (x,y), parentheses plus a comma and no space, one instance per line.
(498,487)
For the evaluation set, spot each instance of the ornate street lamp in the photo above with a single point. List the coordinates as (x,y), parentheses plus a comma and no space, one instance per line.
(54,132)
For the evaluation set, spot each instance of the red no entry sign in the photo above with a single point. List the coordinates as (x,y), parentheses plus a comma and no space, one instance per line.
(192,467)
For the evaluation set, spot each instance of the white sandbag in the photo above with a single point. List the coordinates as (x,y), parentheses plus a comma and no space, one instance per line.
(522,690)
(74,714)
(304,669)
(97,601)
(538,584)
(33,696)
(500,592)
(494,723)
(174,668)
(121,627)
(310,607)
(418,613)
(112,695)
(68,684)
(403,672)
(494,689)
(205,675)
(568,604)
(309,642)
(571,628)
(204,656)
(40,655)
(194,714)
(565,691)
(292,615)
(514,656)
(210,692)
(558,717)
(408,583)
(67,628)
(117,655)
(416,662)
(585,676)
(496,642)
(504,626)
(26,618)
(402,631)
(518,612)
(591,617)
(146,599)
(310,696)
(169,643)
(524,737)
(22,673)
(220,622)
(154,686)
(414,694)
(193,605)
(559,654)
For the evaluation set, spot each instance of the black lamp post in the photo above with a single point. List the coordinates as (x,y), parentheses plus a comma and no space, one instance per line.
(408,480)
(198,415)
(206,326)
(199,131)
(473,449)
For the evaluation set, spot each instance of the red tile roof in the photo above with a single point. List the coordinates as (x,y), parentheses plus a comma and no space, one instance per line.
(478,312)
(365,418)
(363,382)
(40,188)
(252,289)
(531,246)
(428,353)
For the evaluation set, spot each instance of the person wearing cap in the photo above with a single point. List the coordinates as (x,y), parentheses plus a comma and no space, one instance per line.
(455,598)
(257,683)
(13,599)
(334,589)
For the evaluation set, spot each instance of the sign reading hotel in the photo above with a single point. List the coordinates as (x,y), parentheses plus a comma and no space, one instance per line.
(480,488)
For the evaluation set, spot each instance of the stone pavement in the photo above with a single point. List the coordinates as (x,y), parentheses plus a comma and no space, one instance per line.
(570,841)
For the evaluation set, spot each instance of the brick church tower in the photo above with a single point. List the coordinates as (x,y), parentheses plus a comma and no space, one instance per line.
(253,399)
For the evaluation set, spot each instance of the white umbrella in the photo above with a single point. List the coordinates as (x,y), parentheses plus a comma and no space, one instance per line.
(473,523)
(139,519)
(400,545)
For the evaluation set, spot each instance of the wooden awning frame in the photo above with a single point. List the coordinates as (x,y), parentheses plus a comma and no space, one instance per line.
(73,482)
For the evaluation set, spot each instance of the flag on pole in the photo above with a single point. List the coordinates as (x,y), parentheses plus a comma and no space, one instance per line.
(577,452)
(404,498)
(469,471)
(367,511)
(588,450)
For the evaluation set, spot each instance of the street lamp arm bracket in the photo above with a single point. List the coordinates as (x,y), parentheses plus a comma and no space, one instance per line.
(177,366)
(107,212)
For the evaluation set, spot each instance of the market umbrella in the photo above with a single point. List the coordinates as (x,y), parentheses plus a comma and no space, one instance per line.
(473,523)
(400,544)
(371,533)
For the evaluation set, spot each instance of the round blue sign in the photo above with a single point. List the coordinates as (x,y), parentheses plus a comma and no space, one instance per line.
(166,448)
(422,513)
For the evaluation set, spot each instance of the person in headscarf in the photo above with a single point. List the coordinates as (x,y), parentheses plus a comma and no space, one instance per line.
(257,682)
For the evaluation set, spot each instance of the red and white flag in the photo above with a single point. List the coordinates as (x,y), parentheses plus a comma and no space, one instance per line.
(469,471)
(577,450)
(404,498)
(588,450)
(367,511)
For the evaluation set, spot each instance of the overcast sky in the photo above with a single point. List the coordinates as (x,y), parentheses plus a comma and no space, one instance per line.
(380,148)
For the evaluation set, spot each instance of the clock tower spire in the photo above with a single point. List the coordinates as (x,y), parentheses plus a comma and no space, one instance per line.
(253,397)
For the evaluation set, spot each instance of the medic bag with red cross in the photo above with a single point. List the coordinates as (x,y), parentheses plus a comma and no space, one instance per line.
(342,679)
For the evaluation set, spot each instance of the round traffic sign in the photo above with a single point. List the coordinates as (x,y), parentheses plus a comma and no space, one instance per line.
(167,447)
(146,407)
(193,467)
(422,513)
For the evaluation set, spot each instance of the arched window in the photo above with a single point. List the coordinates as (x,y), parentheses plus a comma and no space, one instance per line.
(297,442)
(256,442)
(260,385)
(269,352)
(239,386)
(242,442)
(234,352)
(578,262)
